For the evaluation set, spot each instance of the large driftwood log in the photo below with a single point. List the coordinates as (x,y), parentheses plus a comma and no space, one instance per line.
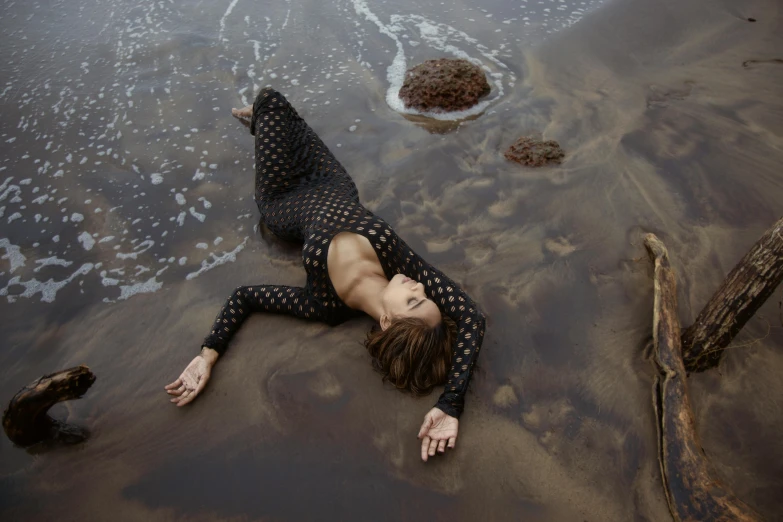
(743,292)
(26,421)
(691,491)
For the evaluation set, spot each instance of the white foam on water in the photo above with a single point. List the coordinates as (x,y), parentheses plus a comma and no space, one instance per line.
(12,253)
(108,281)
(86,240)
(156,178)
(230,8)
(397,68)
(285,22)
(51,261)
(197,215)
(47,289)
(77,218)
(147,287)
(138,249)
(6,191)
(226,257)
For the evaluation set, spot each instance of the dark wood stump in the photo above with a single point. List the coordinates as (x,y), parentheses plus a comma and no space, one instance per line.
(691,491)
(743,292)
(26,421)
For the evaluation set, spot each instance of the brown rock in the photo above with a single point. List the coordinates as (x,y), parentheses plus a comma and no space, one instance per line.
(444,85)
(505,397)
(532,152)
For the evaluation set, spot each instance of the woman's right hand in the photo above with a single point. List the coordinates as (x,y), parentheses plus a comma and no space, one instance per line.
(193,379)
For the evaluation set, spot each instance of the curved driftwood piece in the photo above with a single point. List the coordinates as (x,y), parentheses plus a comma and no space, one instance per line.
(693,495)
(26,421)
(743,292)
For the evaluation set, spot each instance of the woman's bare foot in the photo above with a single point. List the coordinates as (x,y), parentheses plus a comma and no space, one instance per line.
(243,114)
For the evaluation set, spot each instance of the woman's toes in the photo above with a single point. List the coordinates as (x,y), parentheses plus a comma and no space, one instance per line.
(245,112)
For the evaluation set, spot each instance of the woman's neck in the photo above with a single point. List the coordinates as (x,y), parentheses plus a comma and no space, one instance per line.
(365,295)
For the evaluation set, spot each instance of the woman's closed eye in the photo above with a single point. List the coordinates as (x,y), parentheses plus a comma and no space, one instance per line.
(413,300)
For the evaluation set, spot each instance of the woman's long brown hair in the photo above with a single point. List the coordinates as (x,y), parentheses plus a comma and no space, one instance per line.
(412,355)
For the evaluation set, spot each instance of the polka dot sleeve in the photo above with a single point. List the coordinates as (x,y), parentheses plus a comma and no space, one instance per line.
(246,300)
(456,304)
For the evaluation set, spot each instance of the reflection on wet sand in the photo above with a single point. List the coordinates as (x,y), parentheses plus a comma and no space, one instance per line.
(665,131)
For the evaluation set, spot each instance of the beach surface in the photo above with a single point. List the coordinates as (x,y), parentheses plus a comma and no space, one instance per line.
(127,218)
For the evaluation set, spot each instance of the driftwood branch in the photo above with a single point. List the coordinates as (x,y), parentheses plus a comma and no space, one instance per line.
(691,491)
(26,421)
(743,292)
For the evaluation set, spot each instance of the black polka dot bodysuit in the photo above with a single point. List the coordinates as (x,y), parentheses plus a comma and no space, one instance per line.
(304,194)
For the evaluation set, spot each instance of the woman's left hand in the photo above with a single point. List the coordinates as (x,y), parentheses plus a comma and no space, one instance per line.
(437,431)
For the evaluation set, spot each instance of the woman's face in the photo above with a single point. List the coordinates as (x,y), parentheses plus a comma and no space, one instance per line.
(405,297)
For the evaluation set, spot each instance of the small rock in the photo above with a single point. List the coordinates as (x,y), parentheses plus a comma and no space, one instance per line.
(560,246)
(444,85)
(505,397)
(532,152)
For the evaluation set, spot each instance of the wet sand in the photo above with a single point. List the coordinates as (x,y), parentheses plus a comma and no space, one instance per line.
(665,130)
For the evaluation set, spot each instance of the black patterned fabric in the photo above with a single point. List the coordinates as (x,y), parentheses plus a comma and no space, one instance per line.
(304,194)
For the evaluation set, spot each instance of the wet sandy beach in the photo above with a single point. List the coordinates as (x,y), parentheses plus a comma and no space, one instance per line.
(671,115)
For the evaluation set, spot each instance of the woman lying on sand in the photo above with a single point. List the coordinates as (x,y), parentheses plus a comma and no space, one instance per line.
(428,330)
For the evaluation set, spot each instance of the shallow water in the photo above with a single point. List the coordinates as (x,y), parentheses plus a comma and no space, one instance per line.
(126,217)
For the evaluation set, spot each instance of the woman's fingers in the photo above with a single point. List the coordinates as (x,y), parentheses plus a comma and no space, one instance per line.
(433,448)
(178,391)
(452,442)
(174,384)
(442,446)
(186,398)
(425,445)
(186,393)
(425,426)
